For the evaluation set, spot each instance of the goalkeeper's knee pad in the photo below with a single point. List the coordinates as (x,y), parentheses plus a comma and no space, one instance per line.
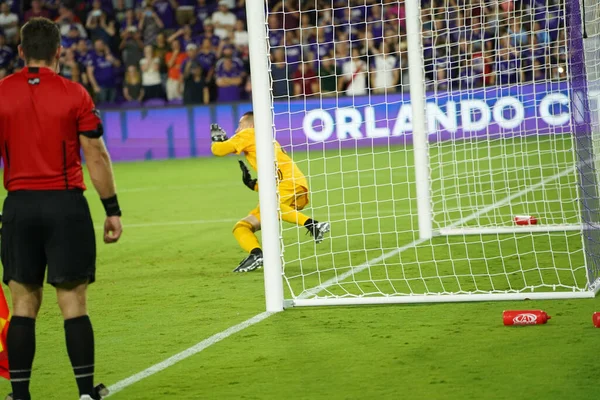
(244,225)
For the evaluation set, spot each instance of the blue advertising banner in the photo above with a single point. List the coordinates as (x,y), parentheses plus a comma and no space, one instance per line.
(535,109)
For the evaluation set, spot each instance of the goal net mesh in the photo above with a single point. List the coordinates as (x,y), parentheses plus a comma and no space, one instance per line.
(505,149)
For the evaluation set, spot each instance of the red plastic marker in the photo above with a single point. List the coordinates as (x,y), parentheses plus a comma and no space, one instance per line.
(596,319)
(525,220)
(525,317)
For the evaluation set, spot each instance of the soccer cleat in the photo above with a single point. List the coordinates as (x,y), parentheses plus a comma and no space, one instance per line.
(100,392)
(319,230)
(250,263)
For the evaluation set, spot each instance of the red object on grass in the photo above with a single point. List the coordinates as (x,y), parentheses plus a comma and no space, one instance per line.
(525,317)
(525,220)
(596,319)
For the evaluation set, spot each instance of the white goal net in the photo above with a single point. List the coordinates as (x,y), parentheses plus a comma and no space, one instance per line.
(474,180)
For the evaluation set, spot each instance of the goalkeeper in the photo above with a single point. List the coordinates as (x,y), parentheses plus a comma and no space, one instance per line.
(292,187)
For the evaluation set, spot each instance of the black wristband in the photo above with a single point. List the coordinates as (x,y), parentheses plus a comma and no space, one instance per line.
(111,206)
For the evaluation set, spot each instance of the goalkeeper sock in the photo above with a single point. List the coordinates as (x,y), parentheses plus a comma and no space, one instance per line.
(244,234)
(289,214)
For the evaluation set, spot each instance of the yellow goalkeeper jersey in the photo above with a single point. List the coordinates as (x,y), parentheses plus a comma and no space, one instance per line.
(289,175)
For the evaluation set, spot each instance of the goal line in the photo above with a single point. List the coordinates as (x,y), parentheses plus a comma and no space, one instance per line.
(309,297)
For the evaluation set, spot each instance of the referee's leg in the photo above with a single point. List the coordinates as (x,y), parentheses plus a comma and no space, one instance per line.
(20,339)
(24,264)
(71,252)
(79,334)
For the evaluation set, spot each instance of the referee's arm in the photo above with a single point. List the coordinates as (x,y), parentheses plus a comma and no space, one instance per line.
(99,166)
(98,163)
(100,169)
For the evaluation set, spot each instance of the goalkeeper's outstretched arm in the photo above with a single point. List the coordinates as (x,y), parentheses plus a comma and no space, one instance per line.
(220,145)
(222,148)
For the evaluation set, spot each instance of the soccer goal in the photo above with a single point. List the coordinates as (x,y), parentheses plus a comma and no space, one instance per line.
(453,148)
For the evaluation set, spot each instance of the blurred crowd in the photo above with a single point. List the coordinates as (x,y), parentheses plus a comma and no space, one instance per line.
(359,47)
(196,51)
(132,51)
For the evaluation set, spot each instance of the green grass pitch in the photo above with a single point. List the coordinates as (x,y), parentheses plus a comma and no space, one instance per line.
(168,285)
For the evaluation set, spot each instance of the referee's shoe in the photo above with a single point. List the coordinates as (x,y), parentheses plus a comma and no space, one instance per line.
(100,392)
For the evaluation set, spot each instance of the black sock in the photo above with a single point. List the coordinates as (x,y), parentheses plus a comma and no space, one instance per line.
(310,224)
(20,343)
(257,251)
(80,346)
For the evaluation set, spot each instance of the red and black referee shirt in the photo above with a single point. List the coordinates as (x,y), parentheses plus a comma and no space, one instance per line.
(41,117)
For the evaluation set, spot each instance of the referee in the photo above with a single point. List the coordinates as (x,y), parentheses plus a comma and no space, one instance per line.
(45,120)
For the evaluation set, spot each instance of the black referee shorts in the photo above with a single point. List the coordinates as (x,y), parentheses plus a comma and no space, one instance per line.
(52,228)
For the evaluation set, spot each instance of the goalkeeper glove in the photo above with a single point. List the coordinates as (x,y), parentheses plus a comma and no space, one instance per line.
(246,177)
(217,134)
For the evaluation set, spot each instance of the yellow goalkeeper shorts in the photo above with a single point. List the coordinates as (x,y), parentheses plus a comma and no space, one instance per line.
(298,200)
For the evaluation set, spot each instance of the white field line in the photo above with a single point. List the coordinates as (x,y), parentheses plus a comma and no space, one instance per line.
(363,174)
(197,348)
(359,268)
(231,220)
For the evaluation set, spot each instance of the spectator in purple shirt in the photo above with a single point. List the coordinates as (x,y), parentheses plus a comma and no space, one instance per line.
(207,59)
(322,46)
(209,34)
(72,38)
(82,53)
(101,70)
(275,30)
(202,12)
(293,50)
(240,10)
(229,78)
(129,20)
(7,57)
(508,69)
(375,23)
(166,12)
(230,52)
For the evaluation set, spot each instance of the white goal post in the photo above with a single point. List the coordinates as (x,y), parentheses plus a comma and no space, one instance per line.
(453,149)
